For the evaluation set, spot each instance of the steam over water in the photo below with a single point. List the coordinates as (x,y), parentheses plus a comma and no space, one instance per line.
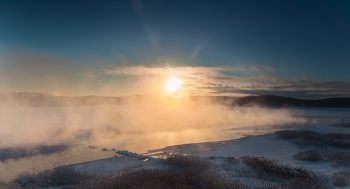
(26,131)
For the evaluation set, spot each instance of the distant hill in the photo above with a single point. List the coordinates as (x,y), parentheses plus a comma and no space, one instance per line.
(281,101)
(44,99)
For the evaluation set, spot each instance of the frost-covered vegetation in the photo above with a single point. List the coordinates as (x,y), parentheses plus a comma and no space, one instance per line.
(181,171)
(338,141)
(60,176)
(342,178)
(305,138)
(337,158)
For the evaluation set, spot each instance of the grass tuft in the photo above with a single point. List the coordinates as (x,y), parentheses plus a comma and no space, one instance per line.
(310,138)
(342,178)
(60,176)
(183,161)
(194,172)
(271,169)
(337,158)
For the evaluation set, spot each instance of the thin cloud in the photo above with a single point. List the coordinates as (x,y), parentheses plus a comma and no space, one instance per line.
(216,81)
(25,70)
(300,88)
(181,71)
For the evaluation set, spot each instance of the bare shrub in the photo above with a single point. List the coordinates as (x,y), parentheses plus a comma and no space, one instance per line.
(186,172)
(338,158)
(59,176)
(342,178)
(167,178)
(271,169)
(309,155)
(154,178)
(310,138)
(183,161)
(232,160)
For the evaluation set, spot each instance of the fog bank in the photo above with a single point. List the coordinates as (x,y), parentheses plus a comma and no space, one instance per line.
(145,125)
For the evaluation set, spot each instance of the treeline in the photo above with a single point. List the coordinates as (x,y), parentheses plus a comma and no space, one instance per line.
(282,101)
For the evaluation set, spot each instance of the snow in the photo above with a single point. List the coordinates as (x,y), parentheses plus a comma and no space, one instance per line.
(115,165)
(127,153)
(267,145)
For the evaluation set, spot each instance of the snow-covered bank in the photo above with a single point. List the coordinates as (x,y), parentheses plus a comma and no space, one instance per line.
(232,158)
(115,165)
(267,146)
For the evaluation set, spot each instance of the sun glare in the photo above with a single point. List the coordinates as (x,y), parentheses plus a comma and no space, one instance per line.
(173,84)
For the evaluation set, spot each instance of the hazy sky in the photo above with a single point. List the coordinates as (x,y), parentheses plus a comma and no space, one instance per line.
(232,48)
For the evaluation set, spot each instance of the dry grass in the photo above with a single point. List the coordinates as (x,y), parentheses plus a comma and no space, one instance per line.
(182,161)
(310,138)
(309,155)
(294,177)
(195,172)
(337,158)
(165,178)
(60,176)
(182,171)
(342,178)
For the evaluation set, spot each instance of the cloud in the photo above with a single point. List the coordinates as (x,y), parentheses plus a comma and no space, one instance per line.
(181,71)
(300,88)
(223,81)
(35,71)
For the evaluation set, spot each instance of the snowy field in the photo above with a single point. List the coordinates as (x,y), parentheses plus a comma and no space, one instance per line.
(45,138)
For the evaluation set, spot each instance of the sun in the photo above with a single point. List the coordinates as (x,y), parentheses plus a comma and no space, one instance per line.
(173,84)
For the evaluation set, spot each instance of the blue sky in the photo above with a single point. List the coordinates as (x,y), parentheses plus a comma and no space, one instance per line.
(292,48)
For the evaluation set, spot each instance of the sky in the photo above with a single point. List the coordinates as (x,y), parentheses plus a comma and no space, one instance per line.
(292,48)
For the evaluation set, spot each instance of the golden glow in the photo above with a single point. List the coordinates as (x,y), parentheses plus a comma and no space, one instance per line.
(173,84)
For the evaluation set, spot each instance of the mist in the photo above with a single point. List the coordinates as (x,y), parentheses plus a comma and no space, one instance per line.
(134,126)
